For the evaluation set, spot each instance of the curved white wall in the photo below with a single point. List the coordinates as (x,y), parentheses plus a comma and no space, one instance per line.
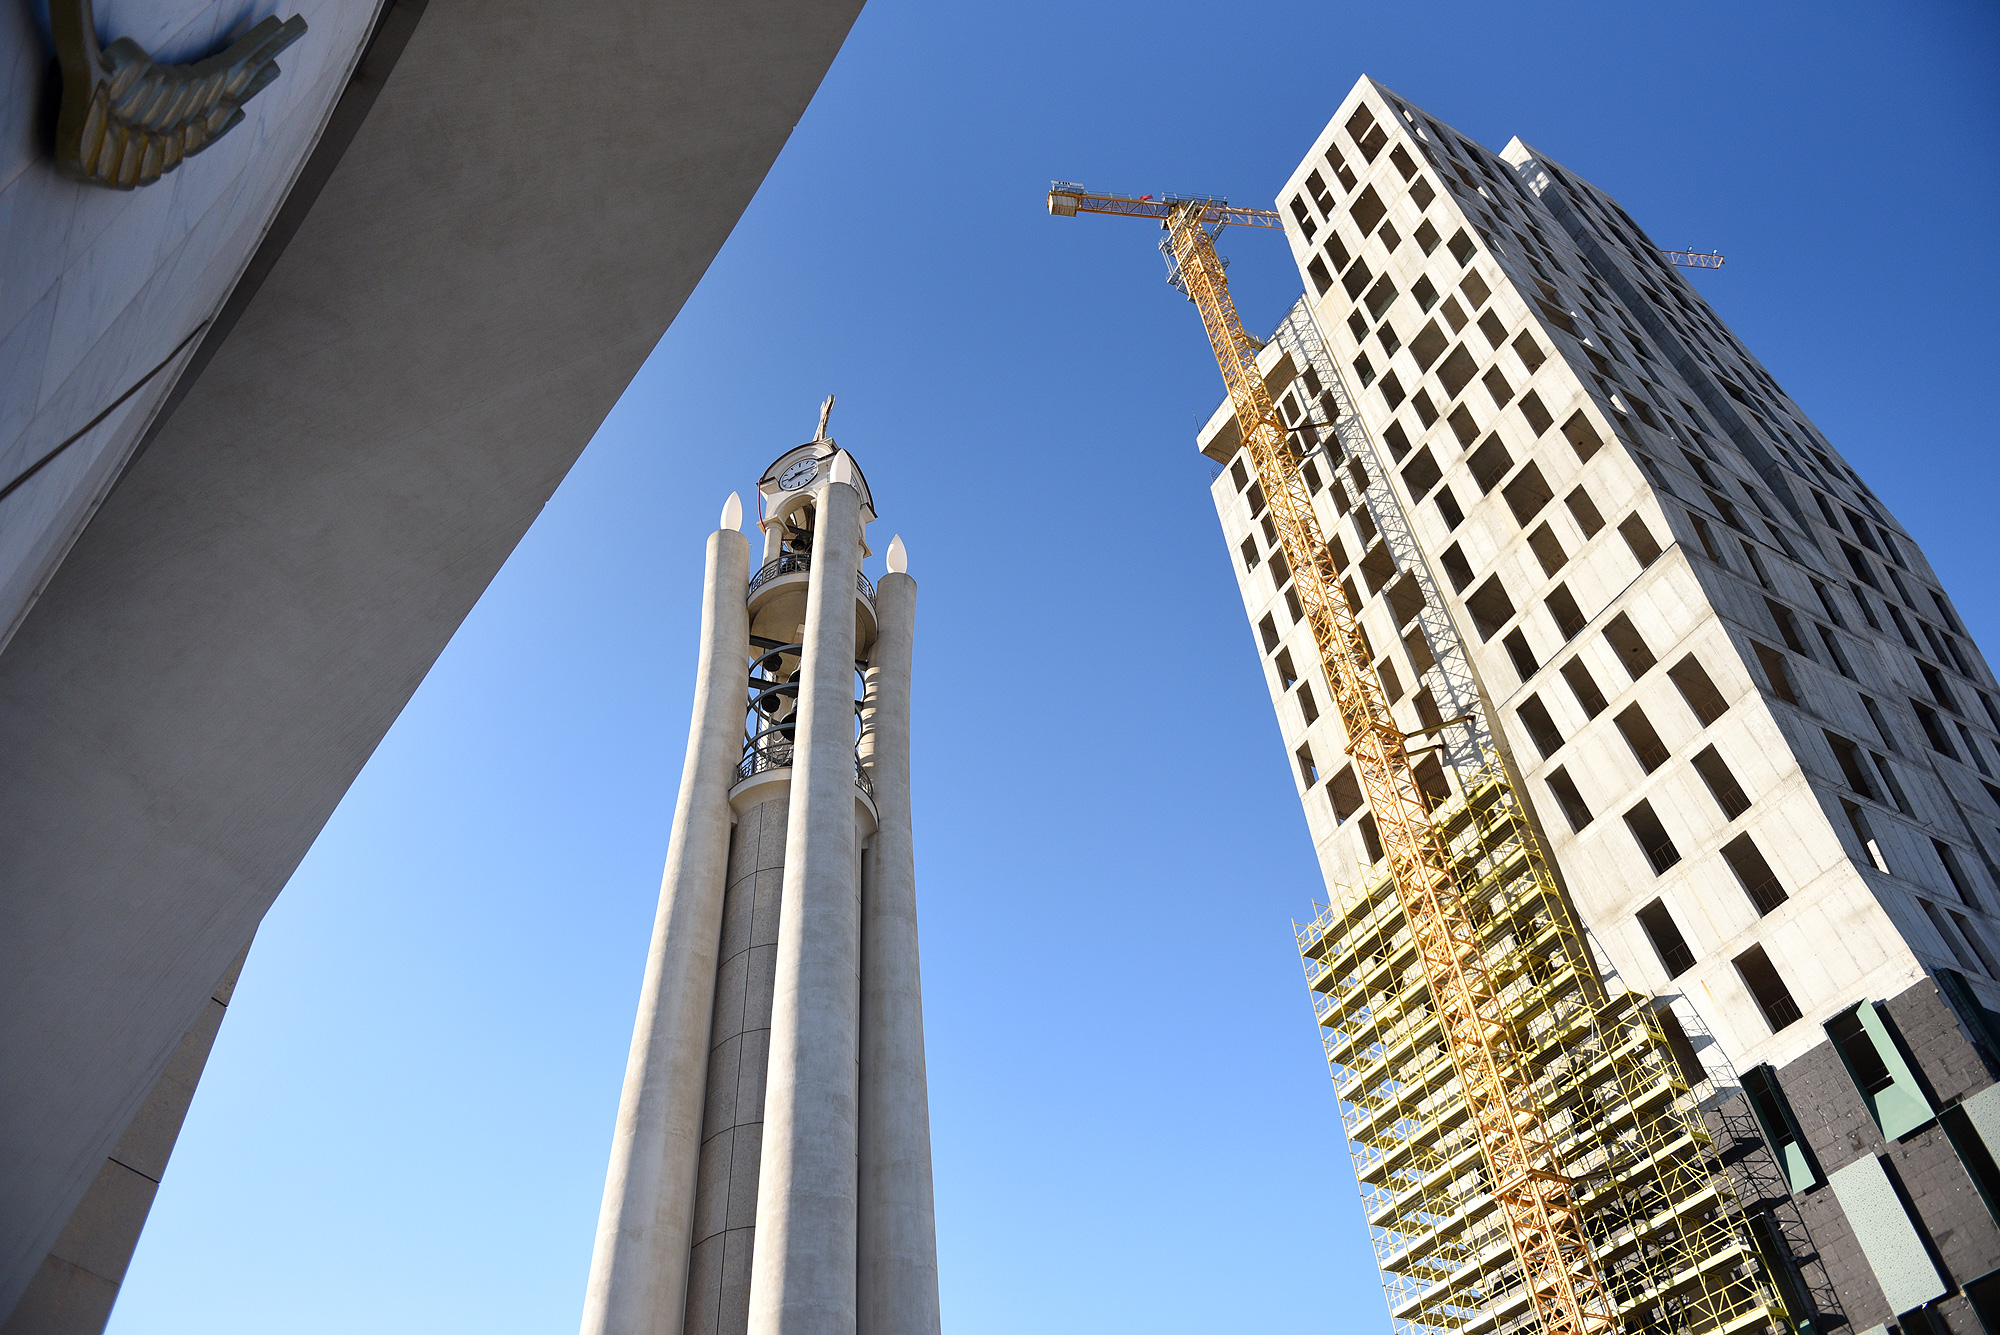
(100,287)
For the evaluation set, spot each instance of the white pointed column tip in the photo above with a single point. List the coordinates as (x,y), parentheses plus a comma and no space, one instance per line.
(732,513)
(842,470)
(899,556)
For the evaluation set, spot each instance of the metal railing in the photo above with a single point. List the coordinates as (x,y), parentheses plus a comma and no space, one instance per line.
(798,563)
(762,756)
(791,563)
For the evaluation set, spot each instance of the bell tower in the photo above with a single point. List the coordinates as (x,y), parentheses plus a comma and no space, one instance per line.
(770,1170)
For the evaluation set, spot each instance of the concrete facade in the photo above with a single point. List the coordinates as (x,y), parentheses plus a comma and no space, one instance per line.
(1755,738)
(807,1192)
(398,337)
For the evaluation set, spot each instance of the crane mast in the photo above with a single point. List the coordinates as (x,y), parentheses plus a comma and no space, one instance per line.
(1538,1201)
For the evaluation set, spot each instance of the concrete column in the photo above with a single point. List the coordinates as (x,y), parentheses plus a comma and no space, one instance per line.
(898,1277)
(732,1134)
(802,1274)
(638,1271)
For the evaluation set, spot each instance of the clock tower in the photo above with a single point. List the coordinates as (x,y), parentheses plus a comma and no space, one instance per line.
(771,1169)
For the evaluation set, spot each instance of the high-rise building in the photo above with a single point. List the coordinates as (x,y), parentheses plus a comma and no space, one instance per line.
(771,1166)
(1713,757)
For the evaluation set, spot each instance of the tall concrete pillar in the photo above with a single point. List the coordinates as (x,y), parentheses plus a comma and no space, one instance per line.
(725,1204)
(638,1271)
(897,1275)
(803,1271)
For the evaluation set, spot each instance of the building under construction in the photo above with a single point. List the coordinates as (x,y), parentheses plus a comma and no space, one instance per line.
(1650,770)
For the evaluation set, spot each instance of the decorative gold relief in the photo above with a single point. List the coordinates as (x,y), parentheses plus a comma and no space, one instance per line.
(127,121)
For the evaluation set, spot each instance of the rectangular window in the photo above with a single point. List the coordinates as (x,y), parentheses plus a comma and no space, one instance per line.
(1308,772)
(1528,493)
(1668,943)
(1364,370)
(1490,606)
(1283,662)
(1489,463)
(1249,549)
(1345,794)
(1392,685)
(1955,872)
(1888,773)
(1370,839)
(1568,616)
(1269,630)
(1380,296)
(1569,799)
(1584,511)
(1456,371)
(1582,436)
(1392,389)
(1475,290)
(1541,728)
(1753,873)
(1640,539)
(1773,664)
(1707,536)
(1462,248)
(1788,627)
(1878,1070)
(1497,386)
(1584,687)
(1768,990)
(1548,549)
(1864,834)
(1978,943)
(1652,838)
(1774,1115)
(1934,731)
(1308,706)
(1532,357)
(1456,567)
(1426,297)
(1448,510)
(1462,425)
(1496,334)
(1537,415)
(1367,209)
(1698,690)
(1633,654)
(1426,236)
(1722,785)
(1946,935)
(1522,656)
(1833,652)
(1355,281)
(1637,729)
(1429,344)
(1421,474)
(1316,270)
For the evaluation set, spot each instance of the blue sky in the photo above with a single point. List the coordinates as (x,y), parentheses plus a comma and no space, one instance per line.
(405,1123)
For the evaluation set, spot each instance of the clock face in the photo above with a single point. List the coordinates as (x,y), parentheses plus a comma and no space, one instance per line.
(798,475)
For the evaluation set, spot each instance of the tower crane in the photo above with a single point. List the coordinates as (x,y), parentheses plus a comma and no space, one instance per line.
(1537,1199)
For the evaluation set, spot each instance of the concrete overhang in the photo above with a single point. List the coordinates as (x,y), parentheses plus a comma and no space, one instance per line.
(533,194)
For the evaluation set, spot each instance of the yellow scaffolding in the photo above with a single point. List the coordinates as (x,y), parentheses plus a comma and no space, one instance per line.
(1662,1218)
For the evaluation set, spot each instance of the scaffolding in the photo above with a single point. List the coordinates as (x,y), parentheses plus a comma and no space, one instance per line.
(1663,1222)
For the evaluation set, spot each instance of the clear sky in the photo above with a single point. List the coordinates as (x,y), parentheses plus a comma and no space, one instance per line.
(405,1123)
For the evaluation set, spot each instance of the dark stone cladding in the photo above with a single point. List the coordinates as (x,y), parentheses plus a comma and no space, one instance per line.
(1830,1272)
